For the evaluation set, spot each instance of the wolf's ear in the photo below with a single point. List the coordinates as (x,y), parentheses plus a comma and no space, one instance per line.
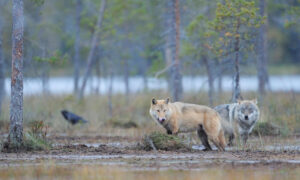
(154,101)
(254,101)
(239,101)
(167,100)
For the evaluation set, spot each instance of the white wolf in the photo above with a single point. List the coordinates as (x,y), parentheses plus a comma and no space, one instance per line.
(238,118)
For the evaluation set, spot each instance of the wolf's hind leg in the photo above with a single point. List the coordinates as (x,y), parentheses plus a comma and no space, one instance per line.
(222,141)
(217,143)
(203,137)
(231,138)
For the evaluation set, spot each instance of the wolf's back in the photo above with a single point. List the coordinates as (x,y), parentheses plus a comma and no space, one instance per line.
(223,111)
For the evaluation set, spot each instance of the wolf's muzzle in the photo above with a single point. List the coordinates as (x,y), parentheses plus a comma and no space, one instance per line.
(161,120)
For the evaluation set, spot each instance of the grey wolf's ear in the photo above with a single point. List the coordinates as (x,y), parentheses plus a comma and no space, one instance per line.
(254,101)
(154,101)
(239,101)
(167,100)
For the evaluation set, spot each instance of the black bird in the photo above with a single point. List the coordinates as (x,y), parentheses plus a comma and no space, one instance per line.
(72,118)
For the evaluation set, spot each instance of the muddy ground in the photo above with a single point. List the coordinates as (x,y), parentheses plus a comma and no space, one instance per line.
(119,147)
(123,154)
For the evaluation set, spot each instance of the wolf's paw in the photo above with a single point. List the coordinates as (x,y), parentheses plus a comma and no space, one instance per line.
(206,149)
(230,144)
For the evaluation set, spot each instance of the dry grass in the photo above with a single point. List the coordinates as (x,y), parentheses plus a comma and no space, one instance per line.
(281,109)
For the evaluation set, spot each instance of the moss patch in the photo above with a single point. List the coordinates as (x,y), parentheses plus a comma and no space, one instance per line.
(162,141)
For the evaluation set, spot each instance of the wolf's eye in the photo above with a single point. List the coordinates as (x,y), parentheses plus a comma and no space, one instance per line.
(165,110)
(157,110)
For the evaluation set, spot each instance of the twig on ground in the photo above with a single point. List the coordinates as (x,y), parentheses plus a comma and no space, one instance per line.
(151,143)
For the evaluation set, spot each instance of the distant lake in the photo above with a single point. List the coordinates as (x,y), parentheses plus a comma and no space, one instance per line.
(64,85)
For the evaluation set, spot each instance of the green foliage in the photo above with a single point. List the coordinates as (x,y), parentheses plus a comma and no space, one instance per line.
(156,65)
(292,14)
(38,3)
(36,138)
(201,37)
(56,58)
(235,20)
(136,28)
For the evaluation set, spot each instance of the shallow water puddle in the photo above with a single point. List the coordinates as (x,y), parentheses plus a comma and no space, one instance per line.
(95,171)
(265,148)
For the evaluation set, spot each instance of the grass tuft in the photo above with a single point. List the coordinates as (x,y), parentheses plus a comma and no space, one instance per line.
(35,139)
(266,129)
(162,141)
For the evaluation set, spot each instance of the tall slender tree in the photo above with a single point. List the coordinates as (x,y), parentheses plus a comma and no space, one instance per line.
(77,45)
(2,74)
(94,42)
(262,72)
(15,137)
(235,21)
(172,48)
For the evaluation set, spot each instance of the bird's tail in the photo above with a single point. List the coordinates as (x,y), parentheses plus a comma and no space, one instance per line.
(83,121)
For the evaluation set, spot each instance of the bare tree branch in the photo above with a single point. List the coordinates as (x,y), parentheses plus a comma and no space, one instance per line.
(164,70)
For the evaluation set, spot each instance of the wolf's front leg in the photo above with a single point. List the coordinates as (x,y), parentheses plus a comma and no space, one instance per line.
(172,132)
(244,137)
(175,129)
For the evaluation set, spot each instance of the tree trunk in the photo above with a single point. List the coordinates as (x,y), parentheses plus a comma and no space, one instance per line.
(110,89)
(45,73)
(98,77)
(220,77)
(2,74)
(145,82)
(126,78)
(262,73)
(209,71)
(77,46)
(45,77)
(15,138)
(237,88)
(172,48)
(93,47)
